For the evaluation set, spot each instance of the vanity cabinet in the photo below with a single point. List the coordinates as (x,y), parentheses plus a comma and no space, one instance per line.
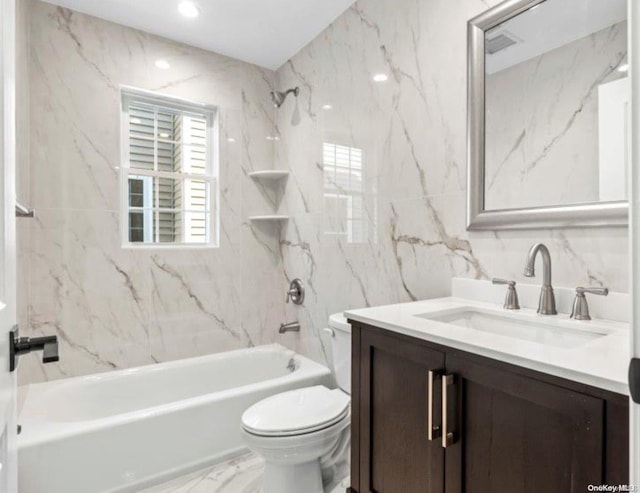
(506,428)
(397,456)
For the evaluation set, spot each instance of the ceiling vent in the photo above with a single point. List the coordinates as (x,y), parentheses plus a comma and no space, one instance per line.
(499,43)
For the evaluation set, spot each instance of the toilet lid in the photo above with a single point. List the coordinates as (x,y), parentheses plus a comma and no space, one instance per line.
(296,412)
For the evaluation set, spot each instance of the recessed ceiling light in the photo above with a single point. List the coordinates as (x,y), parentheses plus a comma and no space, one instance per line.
(164,135)
(623,68)
(188,9)
(137,121)
(163,64)
(230,139)
(380,77)
(327,107)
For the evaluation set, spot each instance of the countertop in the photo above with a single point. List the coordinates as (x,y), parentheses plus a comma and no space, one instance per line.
(601,362)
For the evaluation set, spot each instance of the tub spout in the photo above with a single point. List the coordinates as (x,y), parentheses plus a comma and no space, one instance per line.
(290,327)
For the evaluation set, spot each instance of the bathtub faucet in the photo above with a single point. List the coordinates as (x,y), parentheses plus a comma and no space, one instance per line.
(290,327)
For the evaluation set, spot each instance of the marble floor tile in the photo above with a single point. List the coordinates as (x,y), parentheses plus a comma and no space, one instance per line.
(242,474)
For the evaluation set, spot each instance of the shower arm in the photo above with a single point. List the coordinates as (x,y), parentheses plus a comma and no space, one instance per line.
(279,97)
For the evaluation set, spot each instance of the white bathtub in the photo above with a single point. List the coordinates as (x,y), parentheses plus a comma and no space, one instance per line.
(127,429)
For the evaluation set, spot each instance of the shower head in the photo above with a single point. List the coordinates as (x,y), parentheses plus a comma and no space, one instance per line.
(278,97)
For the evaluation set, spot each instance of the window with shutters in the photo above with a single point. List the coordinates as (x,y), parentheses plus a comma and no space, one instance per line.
(169,171)
(344,195)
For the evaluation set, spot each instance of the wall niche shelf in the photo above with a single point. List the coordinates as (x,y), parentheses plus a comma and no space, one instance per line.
(271,175)
(269,217)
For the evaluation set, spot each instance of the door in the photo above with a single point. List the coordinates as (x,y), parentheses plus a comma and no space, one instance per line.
(516,433)
(634,224)
(397,453)
(8,456)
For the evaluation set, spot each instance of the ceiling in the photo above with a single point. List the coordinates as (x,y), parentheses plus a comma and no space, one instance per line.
(263,32)
(552,24)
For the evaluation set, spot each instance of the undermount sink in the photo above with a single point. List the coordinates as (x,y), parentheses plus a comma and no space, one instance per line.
(548,332)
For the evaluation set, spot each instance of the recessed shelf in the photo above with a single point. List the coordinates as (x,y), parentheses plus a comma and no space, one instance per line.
(269,217)
(269,175)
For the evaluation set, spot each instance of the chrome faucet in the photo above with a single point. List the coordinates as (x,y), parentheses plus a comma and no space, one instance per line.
(547,303)
(290,327)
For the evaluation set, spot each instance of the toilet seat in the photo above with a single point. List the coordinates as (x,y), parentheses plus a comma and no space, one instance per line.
(296,412)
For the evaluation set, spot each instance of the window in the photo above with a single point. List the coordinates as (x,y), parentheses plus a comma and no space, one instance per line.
(169,171)
(344,193)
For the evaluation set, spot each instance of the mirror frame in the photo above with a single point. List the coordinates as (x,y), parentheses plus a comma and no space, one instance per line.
(595,214)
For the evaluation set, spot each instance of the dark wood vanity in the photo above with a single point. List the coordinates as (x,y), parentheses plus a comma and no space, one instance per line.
(506,428)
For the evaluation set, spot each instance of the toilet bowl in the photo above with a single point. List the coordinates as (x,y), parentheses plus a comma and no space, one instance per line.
(302,434)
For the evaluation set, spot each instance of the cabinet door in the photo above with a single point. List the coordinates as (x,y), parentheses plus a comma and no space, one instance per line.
(518,434)
(396,455)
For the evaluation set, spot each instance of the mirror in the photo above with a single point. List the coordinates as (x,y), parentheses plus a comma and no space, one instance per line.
(548,111)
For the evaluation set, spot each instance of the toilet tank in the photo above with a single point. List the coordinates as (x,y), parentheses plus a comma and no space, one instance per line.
(341,350)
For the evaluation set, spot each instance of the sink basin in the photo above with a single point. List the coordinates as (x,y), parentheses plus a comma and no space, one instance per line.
(523,327)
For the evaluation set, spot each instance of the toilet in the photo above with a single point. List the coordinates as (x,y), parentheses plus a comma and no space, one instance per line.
(302,434)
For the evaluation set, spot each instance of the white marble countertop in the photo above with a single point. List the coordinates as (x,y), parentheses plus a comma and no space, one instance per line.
(601,362)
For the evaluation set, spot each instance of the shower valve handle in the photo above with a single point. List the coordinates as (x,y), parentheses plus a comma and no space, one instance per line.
(296,292)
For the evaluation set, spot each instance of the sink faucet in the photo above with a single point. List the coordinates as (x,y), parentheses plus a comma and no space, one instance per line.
(547,304)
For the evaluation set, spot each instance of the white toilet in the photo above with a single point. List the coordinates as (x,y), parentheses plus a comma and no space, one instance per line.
(302,434)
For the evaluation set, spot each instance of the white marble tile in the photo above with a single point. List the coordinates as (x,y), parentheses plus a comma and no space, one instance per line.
(113,307)
(412,129)
(242,474)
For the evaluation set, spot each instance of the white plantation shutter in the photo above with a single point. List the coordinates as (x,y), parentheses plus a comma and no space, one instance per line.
(171,147)
(344,192)
(196,190)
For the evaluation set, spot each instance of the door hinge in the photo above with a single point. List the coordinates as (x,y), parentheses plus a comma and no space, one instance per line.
(634,379)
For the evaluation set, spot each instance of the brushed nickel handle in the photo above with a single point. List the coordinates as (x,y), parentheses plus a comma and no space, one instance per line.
(497,280)
(511,299)
(433,431)
(296,292)
(580,309)
(598,291)
(448,437)
(22,211)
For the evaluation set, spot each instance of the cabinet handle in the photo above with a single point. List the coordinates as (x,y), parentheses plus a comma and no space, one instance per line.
(433,431)
(448,436)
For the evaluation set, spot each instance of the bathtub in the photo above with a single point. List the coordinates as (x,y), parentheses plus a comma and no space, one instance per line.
(128,429)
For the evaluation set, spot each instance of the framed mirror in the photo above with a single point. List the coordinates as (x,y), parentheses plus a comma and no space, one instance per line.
(548,99)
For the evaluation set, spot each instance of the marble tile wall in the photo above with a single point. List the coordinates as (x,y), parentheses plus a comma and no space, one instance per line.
(542,123)
(111,307)
(411,129)
(115,308)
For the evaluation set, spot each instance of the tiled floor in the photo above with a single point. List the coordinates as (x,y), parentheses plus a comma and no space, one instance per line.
(241,474)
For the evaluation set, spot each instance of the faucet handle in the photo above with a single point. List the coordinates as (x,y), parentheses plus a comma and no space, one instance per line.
(580,309)
(497,280)
(598,291)
(511,300)
(296,292)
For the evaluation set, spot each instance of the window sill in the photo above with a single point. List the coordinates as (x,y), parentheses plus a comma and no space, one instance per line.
(176,246)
